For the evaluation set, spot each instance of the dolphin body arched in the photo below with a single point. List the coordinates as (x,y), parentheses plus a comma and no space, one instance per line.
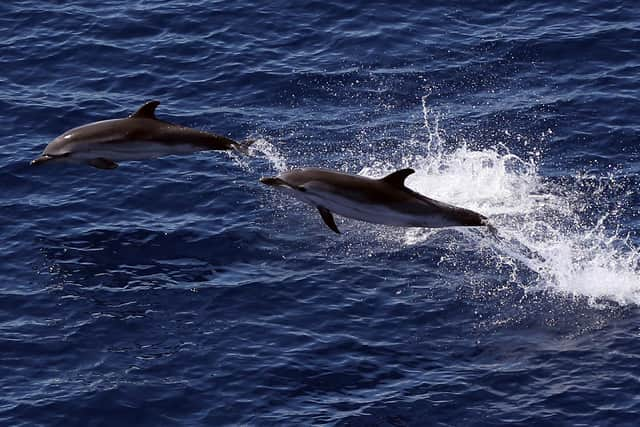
(140,136)
(381,201)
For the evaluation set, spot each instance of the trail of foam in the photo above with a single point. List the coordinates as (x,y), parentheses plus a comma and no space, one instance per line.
(270,152)
(541,224)
(262,148)
(543,232)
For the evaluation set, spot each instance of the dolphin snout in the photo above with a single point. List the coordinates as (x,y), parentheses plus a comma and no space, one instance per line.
(40,160)
(271,180)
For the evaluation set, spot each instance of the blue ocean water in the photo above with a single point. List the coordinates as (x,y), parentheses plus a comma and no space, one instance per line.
(181,291)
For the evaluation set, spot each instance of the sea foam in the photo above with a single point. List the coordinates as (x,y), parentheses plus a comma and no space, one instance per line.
(541,225)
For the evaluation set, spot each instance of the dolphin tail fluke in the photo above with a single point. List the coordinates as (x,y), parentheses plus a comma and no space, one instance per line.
(243,147)
(492,229)
(484,222)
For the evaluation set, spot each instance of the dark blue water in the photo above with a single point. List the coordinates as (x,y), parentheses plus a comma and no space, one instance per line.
(181,291)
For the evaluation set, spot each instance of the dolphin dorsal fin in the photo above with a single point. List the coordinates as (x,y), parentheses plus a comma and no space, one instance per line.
(397,178)
(147,111)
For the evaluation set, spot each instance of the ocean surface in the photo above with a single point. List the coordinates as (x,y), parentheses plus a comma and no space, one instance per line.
(182,292)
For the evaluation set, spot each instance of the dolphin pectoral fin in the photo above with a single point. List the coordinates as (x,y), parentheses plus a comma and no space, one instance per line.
(327,217)
(147,111)
(397,178)
(102,163)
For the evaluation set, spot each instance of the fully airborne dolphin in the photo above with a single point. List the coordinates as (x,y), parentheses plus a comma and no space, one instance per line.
(382,201)
(138,137)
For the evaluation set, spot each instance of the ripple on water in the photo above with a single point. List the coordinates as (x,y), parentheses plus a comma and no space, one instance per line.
(181,291)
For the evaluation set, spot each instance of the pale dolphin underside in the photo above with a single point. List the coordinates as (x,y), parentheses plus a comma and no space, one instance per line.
(140,136)
(381,201)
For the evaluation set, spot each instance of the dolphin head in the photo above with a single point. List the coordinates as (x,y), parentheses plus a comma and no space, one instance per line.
(299,180)
(277,182)
(55,150)
(79,140)
(295,178)
(283,183)
(50,155)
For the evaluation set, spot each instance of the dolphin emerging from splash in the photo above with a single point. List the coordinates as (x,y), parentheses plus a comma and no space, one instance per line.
(138,137)
(381,201)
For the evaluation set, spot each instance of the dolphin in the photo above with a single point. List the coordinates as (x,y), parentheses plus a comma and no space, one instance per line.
(381,201)
(137,137)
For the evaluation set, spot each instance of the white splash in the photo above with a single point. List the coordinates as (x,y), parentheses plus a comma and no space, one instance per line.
(540,224)
(265,149)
